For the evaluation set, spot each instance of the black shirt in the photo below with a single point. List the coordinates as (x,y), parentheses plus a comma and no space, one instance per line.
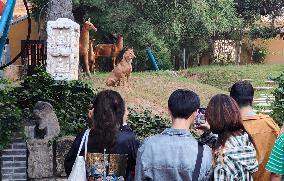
(125,143)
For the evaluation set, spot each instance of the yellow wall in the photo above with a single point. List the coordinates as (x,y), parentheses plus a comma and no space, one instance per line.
(19,32)
(275,49)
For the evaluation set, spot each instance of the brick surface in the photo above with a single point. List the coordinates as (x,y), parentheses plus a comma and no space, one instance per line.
(14,152)
(20,158)
(20,170)
(7,171)
(13,164)
(19,146)
(14,161)
(10,158)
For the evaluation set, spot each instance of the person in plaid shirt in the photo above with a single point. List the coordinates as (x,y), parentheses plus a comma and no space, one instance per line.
(233,149)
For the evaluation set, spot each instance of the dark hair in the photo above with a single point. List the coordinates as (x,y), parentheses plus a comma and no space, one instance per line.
(242,92)
(109,109)
(224,118)
(182,103)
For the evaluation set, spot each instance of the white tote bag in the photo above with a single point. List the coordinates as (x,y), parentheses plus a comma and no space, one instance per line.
(78,172)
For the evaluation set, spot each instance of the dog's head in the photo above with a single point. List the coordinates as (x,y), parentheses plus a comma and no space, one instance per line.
(129,54)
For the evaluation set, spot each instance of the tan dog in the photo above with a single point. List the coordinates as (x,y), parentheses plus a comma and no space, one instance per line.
(121,73)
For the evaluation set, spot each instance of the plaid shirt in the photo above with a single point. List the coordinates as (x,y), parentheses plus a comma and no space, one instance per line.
(236,161)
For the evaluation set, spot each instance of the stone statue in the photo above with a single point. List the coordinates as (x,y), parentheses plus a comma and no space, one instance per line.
(47,125)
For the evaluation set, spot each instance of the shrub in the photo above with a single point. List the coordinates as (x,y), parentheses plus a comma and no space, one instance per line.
(144,124)
(10,118)
(223,59)
(278,105)
(70,100)
(259,54)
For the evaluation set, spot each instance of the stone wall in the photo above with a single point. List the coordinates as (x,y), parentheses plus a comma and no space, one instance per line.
(45,161)
(14,161)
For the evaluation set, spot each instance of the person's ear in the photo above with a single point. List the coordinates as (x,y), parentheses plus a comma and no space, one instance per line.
(170,113)
(91,114)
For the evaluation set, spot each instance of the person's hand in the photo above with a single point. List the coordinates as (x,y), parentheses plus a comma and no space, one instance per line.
(204,127)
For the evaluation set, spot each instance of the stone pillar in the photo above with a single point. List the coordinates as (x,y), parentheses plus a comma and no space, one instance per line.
(40,161)
(63,49)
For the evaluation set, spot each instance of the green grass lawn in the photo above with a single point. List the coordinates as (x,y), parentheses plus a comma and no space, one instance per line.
(223,77)
(151,90)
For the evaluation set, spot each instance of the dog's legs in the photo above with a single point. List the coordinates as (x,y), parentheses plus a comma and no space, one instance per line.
(127,80)
(113,61)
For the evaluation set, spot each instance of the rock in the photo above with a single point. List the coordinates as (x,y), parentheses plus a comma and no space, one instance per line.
(47,125)
(40,159)
(63,146)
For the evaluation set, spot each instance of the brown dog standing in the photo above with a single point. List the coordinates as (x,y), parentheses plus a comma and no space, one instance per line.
(121,73)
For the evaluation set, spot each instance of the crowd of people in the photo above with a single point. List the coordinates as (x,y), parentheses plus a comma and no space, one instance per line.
(236,143)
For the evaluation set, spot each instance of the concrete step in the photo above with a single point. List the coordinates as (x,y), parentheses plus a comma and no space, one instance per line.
(263,88)
(249,80)
(263,105)
(266,111)
(270,82)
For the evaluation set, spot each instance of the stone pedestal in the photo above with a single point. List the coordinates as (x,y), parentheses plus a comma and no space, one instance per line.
(40,160)
(63,49)
(63,146)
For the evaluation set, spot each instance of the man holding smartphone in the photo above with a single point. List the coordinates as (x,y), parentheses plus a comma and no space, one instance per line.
(175,154)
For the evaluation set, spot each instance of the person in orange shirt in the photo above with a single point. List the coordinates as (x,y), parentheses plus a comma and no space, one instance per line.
(262,128)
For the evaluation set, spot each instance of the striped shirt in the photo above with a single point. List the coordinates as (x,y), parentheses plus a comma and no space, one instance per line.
(276,159)
(236,161)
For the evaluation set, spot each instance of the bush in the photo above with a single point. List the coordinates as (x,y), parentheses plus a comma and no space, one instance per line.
(278,105)
(70,100)
(145,124)
(259,54)
(10,118)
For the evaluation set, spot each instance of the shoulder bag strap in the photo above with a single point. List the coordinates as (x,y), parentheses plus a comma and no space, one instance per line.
(83,140)
(198,163)
(86,142)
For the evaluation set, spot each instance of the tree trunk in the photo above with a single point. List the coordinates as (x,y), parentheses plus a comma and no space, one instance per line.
(239,49)
(211,51)
(57,9)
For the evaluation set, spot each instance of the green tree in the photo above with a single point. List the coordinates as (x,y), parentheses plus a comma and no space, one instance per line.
(169,26)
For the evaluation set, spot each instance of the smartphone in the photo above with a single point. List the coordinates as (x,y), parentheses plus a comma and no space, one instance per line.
(200,118)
